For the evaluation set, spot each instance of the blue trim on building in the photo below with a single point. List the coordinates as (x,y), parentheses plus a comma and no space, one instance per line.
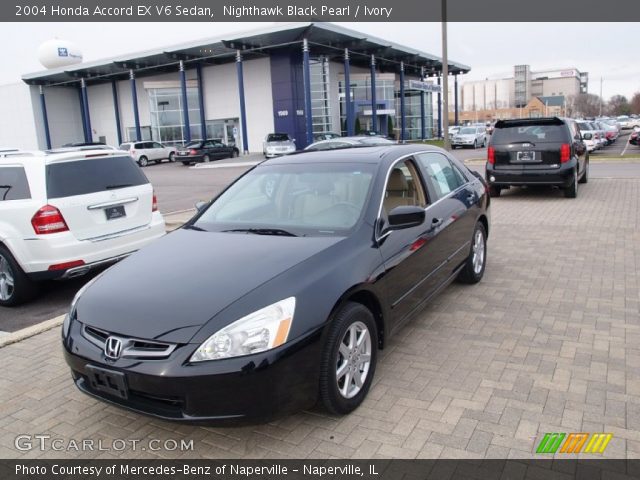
(374,109)
(116,109)
(306,76)
(423,122)
(88,134)
(45,118)
(134,99)
(243,110)
(186,132)
(402,105)
(347,94)
(203,123)
(455,100)
(439,111)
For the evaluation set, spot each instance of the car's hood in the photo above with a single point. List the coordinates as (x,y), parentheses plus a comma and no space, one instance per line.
(169,289)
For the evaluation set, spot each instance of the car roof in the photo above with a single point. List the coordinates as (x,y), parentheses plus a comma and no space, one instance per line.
(62,155)
(367,154)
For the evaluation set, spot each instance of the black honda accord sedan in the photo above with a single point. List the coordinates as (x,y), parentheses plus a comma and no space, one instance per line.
(280,292)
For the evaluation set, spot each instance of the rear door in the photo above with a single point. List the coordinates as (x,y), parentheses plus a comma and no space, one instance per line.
(158,151)
(529,144)
(100,196)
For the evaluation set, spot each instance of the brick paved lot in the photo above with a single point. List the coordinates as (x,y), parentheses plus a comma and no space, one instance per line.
(548,342)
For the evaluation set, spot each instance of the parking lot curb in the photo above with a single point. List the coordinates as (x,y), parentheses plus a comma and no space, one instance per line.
(31,331)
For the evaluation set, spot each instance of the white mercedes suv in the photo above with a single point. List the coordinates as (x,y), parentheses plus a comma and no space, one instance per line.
(63,213)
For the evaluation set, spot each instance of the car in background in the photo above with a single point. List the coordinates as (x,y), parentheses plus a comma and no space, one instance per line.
(205,151)
(346,142)
(610,130)
(590,135)
(145,152)
(625,122)
(633,138)
(276,144)
(55,226)
(283,289)
(537,151)
(454,130)
(325,136)
(475,136)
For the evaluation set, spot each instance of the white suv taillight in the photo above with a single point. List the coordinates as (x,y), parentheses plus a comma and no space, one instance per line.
(48,220)
(154,204)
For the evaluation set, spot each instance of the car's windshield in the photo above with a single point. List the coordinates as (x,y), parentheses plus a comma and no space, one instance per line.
(468,131)
(278,137)
(301,199)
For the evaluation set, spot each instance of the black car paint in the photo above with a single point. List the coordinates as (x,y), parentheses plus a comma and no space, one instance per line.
(214,149)
(225,276)
(549,171)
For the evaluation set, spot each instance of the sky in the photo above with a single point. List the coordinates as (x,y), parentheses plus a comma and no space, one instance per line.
(608,51)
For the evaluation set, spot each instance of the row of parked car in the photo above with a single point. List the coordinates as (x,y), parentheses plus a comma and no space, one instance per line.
(599,133)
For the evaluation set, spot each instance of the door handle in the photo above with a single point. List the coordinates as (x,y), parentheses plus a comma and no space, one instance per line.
(435,223)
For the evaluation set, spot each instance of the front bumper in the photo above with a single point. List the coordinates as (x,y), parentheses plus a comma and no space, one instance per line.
(521,176)
(250,389)
(273,153)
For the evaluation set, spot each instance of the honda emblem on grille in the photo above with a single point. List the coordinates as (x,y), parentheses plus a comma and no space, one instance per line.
(113,348)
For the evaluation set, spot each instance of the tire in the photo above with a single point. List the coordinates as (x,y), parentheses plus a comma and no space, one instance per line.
(206,159)
(15,286)
(235,154)
(143,161)
(475,144)
(585,175)
(484,143)
(338,396)
(186,164)
(172,157)
(473,270)
(572,190)
(494,191)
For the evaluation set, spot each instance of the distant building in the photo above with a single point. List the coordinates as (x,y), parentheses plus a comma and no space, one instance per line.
(553,106)
(517,91)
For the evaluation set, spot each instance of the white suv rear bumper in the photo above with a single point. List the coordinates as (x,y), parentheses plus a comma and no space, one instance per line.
(36,255)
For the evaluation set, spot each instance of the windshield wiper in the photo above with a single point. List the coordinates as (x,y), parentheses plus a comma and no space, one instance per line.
(123,185)
(263,231)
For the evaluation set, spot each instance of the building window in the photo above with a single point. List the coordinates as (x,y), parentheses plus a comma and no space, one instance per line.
(145,131)
(360,92)
(165,107)
(320,95)
(413,120)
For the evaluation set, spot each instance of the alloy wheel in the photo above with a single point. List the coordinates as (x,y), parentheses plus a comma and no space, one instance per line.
(478,252)
(7,281)
(354,359)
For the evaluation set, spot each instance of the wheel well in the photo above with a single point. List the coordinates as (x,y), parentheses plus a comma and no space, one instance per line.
(370,301)
(485,223)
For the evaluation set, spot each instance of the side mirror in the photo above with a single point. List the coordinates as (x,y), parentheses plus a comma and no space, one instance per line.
(587,136)
(200,205)
(406,216)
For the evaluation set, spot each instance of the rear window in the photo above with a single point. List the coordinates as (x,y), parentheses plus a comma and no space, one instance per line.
(13,184)
(277,137)
(518,132)
(82,177)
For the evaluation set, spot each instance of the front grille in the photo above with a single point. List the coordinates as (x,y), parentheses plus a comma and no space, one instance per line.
(131,347)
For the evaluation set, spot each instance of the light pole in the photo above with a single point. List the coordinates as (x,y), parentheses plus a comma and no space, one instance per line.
(445,79)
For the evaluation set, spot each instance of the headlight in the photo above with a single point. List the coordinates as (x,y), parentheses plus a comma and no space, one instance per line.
(257,332)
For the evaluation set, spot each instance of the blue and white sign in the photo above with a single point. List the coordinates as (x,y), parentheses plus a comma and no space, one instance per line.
(423,86)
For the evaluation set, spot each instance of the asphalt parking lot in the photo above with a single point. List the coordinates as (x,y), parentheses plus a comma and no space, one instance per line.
(547,342)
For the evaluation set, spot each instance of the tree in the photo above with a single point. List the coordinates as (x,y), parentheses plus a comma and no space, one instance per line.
(583,105)
(619,105)
(390,131)
(635,103)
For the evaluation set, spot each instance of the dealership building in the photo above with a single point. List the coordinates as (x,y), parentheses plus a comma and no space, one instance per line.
(300,79)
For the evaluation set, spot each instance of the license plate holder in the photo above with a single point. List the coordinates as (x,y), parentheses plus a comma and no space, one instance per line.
(108,381)
(527,156)
(113,213)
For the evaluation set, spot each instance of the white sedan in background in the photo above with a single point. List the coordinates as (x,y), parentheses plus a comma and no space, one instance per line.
(470,137)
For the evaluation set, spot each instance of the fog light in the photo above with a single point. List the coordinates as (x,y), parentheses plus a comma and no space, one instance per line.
(492,178)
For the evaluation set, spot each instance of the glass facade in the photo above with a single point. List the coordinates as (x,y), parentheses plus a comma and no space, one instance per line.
(165,107)
(387,106)
(320,94)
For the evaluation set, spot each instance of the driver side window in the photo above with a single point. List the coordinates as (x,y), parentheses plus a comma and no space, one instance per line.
(404,187)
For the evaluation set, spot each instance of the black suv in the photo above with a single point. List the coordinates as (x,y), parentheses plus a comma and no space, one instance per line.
(537,151)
